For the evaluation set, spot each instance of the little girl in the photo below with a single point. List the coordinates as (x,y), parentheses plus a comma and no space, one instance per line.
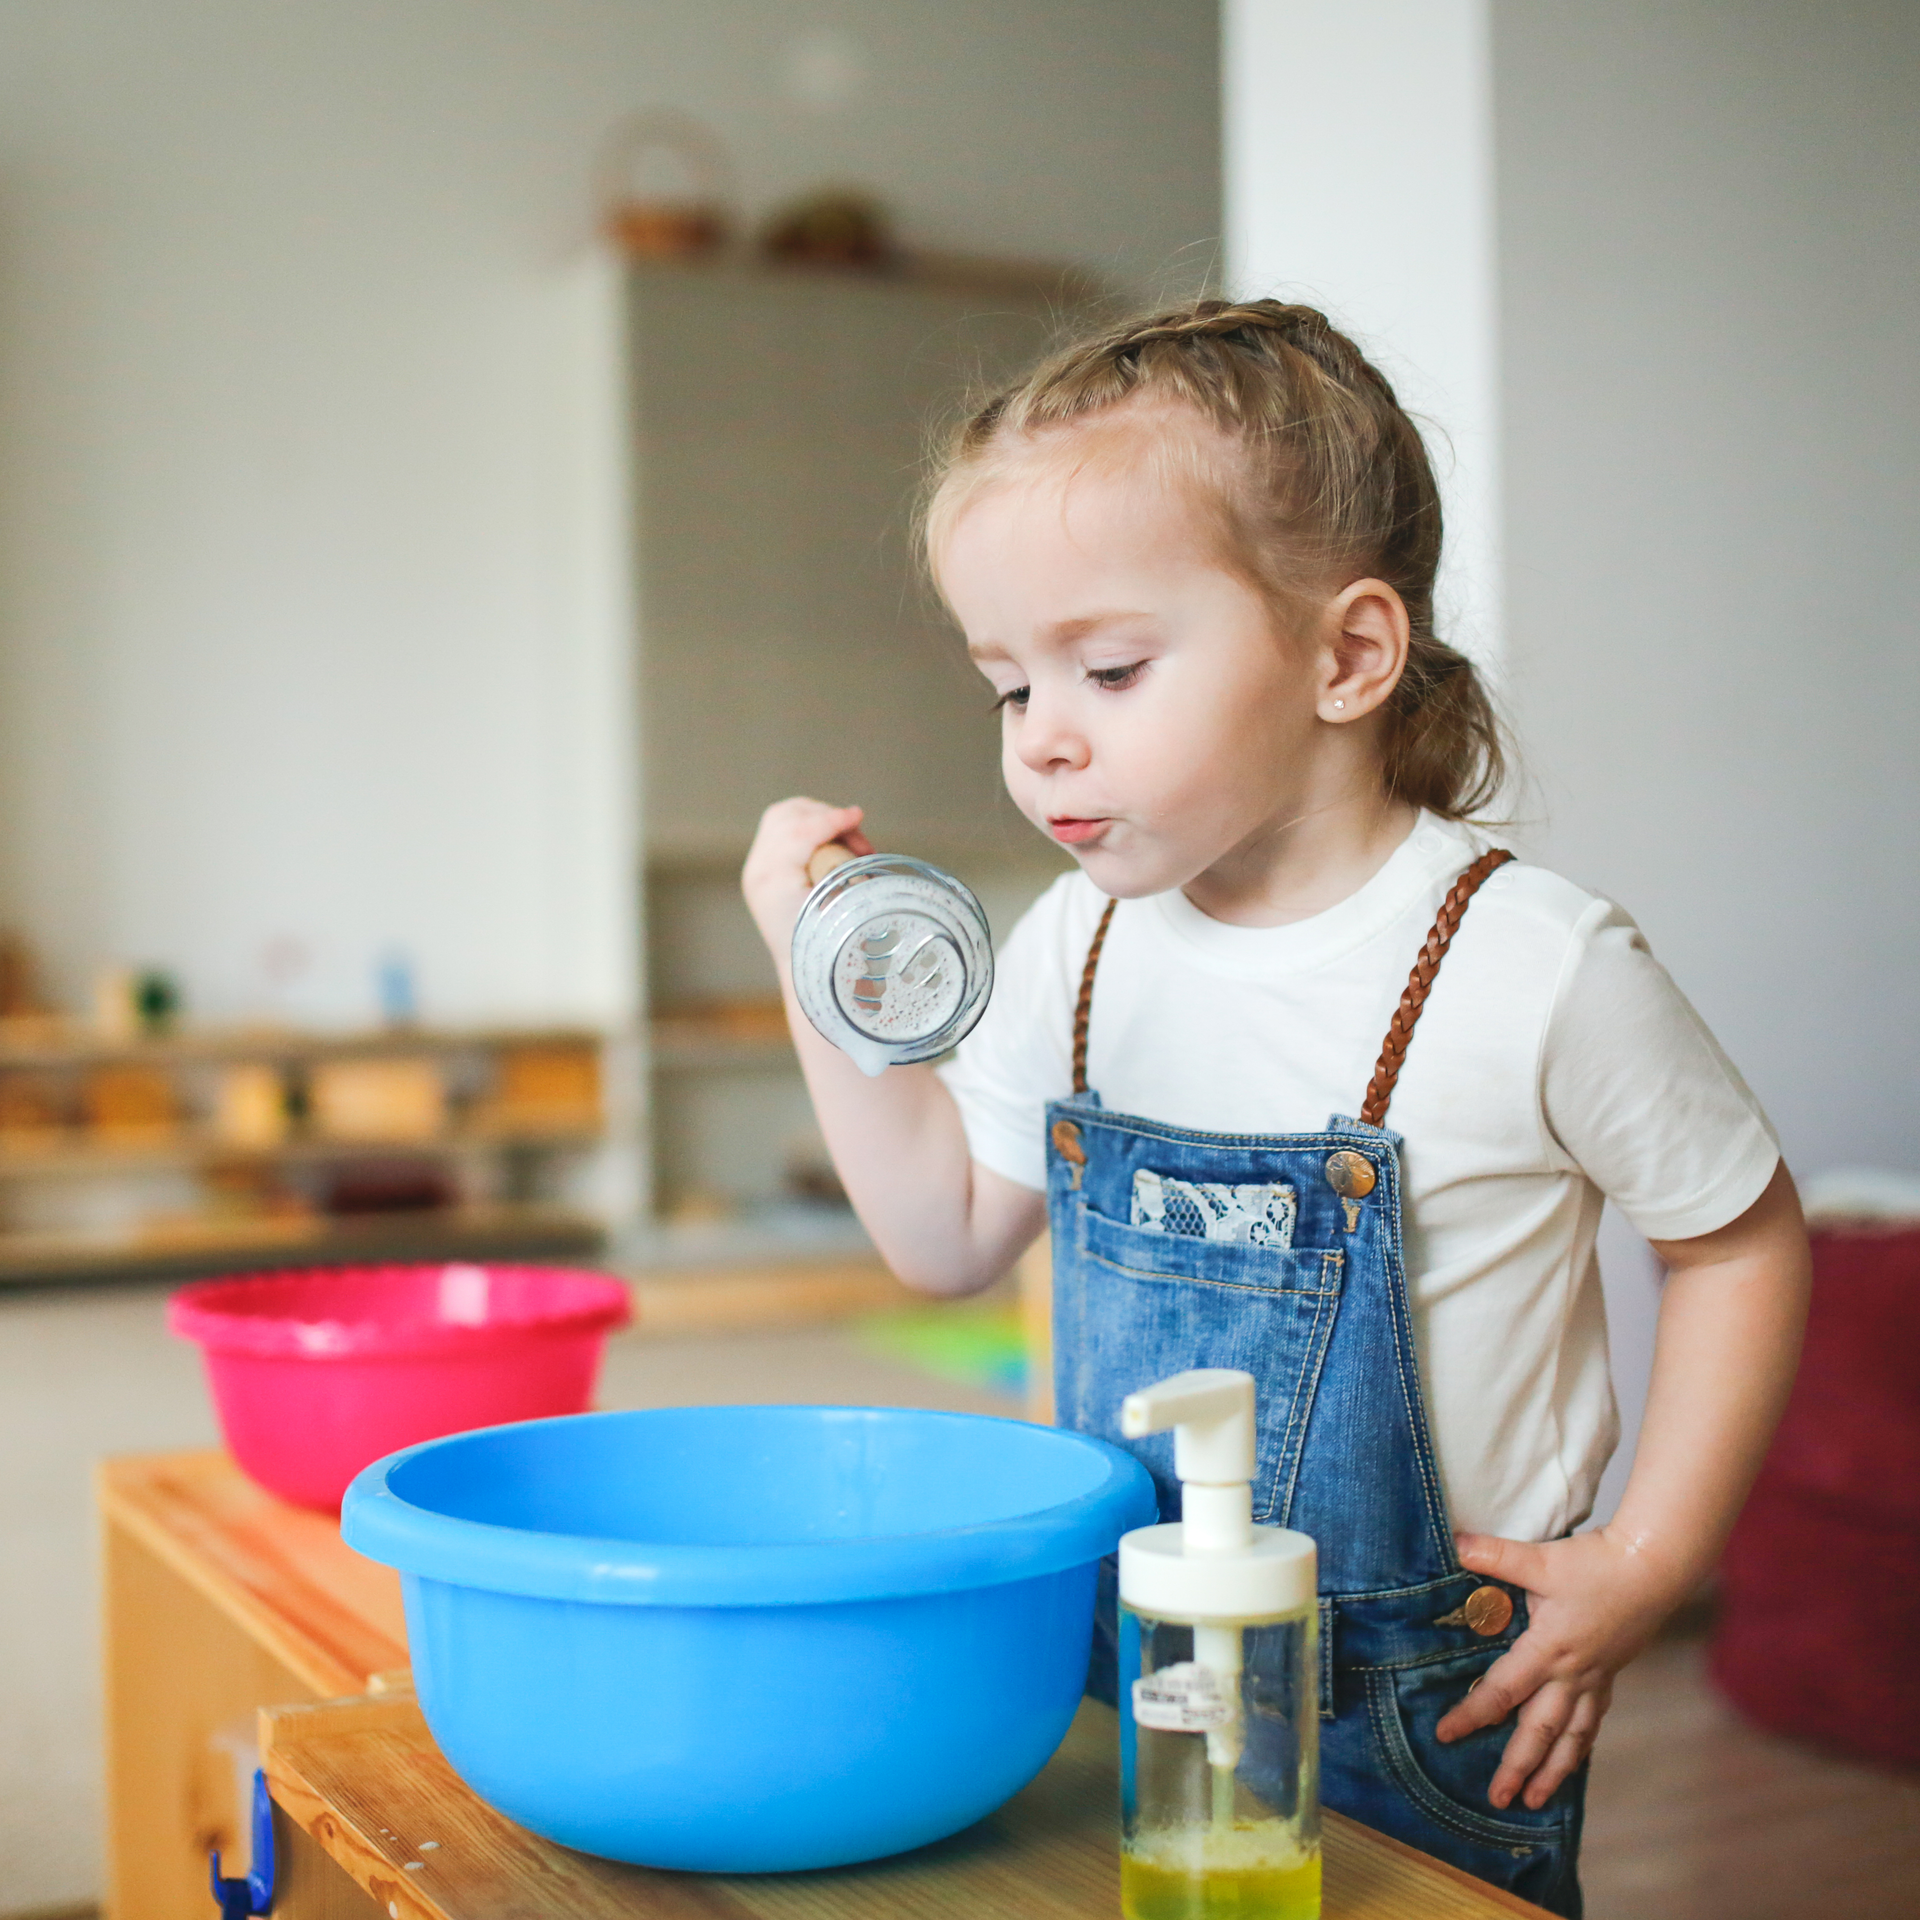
(1195,558)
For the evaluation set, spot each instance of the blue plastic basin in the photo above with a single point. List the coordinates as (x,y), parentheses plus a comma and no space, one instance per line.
(749,1639)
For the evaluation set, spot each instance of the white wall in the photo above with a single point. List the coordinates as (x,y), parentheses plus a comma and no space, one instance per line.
(295,662)
(1359,177)
(1650,267)
(1708,288)
(1712,452)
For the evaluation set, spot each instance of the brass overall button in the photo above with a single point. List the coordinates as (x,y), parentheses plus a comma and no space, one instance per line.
(1066,1143)
(1489,1610)
(1351,1174)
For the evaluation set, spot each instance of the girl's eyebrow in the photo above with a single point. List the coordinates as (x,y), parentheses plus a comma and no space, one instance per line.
(1063,633)
(1078,628)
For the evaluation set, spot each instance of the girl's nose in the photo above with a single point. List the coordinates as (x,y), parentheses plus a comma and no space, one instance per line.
(1048,741)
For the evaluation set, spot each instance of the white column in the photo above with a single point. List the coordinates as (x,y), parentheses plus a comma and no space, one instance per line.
(1359,178)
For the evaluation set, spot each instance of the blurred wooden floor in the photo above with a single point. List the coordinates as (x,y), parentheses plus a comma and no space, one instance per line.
(1694,1815)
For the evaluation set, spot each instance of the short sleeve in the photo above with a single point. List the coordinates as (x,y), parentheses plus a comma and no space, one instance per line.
(1639,1094)
(1020,1056)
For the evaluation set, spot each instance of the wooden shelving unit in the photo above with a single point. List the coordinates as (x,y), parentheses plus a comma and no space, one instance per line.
(785,643)
(453,1233)
(38,1043)
(191,1148)
(730,1034)
(492,1163)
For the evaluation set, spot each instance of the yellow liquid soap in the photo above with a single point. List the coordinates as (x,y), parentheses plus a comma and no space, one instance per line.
(1254,1870)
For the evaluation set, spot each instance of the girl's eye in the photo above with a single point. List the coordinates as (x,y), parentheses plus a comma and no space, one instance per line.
(1115,678)
(1015,697)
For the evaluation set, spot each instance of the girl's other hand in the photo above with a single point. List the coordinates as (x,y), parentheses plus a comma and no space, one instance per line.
(1593,1603)
(774,879)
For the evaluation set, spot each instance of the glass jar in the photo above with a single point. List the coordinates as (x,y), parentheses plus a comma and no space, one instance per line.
(892,960)
(1220,1768)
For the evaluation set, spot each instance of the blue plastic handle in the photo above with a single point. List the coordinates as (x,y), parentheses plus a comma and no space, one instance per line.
(241,1899)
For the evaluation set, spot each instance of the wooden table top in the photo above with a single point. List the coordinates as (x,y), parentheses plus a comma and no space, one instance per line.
(363,1776)
(365,1779)
(282,1574)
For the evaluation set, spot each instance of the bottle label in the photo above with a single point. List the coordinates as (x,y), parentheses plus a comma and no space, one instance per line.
(1184,1698)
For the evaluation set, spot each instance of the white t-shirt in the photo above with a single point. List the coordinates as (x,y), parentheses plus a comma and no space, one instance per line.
(1555,1063)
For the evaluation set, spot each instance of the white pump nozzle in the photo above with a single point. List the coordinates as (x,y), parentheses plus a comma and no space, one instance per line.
(1210,1410)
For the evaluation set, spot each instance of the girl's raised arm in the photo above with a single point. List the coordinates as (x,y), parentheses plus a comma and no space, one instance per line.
(941,1222)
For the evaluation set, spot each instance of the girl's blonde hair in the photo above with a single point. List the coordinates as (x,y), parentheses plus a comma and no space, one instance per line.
(1329,479)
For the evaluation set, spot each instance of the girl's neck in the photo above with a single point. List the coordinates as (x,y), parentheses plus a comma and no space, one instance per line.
(1303,865)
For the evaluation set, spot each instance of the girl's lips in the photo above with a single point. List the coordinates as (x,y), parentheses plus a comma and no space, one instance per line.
(1071,832)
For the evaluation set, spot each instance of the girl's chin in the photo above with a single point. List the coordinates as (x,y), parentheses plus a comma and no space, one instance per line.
(1126,873)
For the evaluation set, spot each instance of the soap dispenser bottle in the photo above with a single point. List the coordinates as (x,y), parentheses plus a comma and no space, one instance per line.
(1219,1667)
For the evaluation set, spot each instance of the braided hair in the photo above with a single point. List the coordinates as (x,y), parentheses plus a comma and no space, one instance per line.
(1331,479)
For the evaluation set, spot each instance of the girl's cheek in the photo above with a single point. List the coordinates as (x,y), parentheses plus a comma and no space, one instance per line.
(1016,777)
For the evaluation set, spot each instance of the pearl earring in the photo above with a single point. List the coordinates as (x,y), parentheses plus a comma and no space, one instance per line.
(1338,705)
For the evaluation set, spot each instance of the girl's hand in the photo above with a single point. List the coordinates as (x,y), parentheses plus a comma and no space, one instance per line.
(1593,1603)
(774,879)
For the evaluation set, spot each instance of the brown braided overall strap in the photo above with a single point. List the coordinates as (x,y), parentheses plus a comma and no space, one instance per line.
(1083,1008)
(1393,1050)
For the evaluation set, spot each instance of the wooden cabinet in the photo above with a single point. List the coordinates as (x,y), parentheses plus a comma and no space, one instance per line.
(220,1600)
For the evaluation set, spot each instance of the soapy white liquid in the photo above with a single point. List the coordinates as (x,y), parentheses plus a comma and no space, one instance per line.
(869,1056)
(897,979)
(1248,1846)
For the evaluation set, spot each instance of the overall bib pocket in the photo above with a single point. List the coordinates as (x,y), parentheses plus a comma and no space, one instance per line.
(1267,1310)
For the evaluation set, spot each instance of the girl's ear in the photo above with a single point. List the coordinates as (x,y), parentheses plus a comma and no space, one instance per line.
(1365,650)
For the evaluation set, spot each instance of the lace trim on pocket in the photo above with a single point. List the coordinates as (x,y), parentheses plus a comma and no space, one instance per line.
(1255,1216)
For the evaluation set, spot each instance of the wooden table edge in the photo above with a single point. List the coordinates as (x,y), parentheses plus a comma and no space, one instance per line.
(1482,1890)
(309,1660)
(354,1852)
(360,1855)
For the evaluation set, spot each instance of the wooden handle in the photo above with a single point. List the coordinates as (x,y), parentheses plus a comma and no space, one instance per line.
(823,860)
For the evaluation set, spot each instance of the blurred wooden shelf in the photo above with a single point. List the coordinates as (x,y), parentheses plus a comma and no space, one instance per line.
(383,1143)
(721,1034)
(909,269)
(998,838)
(226,1245)
(33,1044)
(73,1151)
(753,1299)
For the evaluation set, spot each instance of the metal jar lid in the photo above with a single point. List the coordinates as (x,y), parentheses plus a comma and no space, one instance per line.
(892,960)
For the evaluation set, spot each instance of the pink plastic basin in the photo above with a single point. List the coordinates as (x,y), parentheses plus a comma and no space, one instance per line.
(318,1374)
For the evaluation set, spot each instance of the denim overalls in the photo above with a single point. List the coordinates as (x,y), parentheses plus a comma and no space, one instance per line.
(1282,1254)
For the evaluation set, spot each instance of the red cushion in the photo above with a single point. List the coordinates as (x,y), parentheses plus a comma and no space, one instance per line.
(1818,1626)
(1819,1621)
(1852,1427)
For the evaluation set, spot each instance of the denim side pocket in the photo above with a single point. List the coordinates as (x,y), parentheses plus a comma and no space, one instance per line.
(1441,1797)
